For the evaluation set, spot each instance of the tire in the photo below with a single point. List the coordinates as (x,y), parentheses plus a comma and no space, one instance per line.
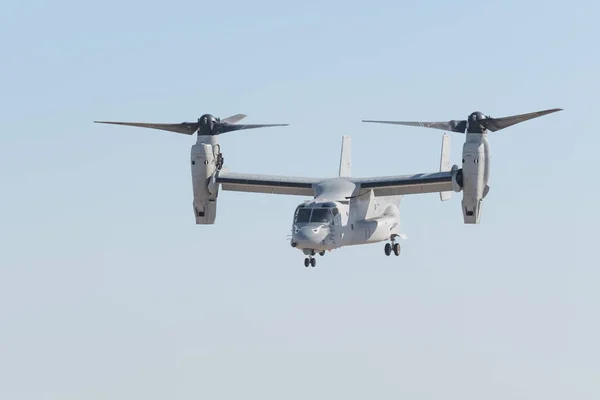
(397,249)
(388,249)
(313,262)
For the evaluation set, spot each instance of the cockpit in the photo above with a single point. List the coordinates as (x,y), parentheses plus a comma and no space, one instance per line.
(321,213)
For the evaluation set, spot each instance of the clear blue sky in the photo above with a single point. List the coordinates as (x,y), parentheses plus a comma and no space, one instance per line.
(108,290)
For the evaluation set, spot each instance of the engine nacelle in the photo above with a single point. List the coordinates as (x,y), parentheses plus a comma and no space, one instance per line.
(206,190)
(475,175)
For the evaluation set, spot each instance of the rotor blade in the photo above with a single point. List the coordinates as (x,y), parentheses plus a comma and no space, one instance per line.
(454,126)
(187,128)
(234,118)
(495,124)
(222,128)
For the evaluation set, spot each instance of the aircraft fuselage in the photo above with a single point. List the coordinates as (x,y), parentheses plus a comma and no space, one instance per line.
(337,217)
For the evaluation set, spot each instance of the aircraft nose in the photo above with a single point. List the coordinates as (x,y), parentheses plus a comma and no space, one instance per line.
(310,236)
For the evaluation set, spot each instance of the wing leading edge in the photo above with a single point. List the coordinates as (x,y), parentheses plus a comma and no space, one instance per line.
(301,186)
(406,184)
(270,184)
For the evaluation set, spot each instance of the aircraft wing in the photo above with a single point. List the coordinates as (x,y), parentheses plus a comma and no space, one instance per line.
(406,184)
(271,184)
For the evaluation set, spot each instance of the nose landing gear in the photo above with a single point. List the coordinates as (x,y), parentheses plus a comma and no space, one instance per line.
(310,260)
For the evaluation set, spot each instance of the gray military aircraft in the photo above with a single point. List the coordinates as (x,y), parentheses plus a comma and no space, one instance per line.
(343,210)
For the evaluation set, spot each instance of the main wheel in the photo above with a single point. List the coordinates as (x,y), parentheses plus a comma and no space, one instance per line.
(313,262)
(388,249)
(306,262)
(397,249)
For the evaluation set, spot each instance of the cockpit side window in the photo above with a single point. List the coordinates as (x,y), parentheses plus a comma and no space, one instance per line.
(322,215)
(303,215)
(335,211)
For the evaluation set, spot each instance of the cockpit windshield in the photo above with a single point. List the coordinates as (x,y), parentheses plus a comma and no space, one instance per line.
(303,215)
(323,215)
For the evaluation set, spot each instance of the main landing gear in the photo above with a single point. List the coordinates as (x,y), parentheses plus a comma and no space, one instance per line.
(389,247)
(310,260)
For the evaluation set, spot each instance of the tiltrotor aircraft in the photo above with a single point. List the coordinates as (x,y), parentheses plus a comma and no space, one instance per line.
(344,211)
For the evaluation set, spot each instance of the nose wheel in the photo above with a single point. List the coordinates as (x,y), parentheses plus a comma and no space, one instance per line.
(310,261)
(392,247)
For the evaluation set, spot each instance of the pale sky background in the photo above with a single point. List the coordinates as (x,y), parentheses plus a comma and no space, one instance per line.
(108,289)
